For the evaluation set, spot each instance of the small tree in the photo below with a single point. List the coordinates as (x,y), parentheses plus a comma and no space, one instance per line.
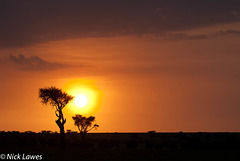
(57,99)
(84,124)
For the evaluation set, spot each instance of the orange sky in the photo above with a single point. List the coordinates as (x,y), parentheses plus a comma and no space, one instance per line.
(140,93)
(168,82)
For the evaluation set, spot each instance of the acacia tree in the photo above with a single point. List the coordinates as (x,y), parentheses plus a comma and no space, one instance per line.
(84,124)
(58,99)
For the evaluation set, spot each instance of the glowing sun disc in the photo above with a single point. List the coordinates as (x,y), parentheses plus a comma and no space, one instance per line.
(81,100)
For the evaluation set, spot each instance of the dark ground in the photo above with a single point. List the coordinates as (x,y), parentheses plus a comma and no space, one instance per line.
(124,146)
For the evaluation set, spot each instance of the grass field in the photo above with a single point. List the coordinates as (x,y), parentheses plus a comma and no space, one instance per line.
(126,147)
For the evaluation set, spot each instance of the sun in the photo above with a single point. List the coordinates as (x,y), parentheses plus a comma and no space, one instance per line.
(87,97)
(81,101)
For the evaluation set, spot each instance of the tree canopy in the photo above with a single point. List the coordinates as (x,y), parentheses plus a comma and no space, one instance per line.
(84,124)
(54,97)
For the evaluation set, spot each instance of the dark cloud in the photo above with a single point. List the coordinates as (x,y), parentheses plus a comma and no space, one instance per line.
(181,36)
(184,36)
(229,32)
(34,63)
(26,22)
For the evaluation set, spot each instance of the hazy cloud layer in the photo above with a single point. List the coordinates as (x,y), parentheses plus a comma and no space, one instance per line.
(34,63)
(26,22)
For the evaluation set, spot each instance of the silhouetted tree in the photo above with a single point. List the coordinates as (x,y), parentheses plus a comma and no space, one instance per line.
(57,99)
(84,124)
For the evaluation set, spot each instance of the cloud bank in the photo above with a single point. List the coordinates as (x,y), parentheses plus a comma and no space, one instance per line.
(27,22)
(33,63)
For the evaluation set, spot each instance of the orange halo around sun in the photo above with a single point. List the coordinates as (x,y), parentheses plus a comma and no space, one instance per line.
(87,97)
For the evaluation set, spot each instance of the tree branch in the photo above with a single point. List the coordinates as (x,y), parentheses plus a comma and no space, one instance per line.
(56,113)
(90,129)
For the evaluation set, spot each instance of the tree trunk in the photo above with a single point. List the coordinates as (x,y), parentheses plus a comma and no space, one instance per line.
(63,142)
(83,135)
(61,127)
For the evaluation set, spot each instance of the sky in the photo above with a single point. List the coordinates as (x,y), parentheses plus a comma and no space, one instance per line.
(167,66)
